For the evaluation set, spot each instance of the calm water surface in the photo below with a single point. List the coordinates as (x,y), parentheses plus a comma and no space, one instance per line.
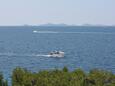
(84,47)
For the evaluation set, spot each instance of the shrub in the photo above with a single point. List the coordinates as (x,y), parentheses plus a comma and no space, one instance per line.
(64,77)
(2,81)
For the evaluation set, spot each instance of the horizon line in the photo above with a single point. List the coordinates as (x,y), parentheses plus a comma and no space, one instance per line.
(59,24)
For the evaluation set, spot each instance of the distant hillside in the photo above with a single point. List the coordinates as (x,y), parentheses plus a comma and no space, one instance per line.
(51,24)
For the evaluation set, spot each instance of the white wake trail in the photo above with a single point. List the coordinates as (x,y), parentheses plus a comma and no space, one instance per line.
(15,54)
(50,32)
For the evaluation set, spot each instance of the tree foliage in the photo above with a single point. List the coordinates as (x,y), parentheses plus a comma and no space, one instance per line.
(56,77)
(64,77)
(2,81)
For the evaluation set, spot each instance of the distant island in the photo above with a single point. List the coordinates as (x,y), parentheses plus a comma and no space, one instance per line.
(65,25)
(61,25)
(52,24)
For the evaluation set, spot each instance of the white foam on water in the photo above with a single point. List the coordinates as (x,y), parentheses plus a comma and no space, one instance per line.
(35,31)
(89,32)
(43,55)
(15,54)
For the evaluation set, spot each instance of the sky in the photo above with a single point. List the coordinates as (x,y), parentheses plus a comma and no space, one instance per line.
(77,12)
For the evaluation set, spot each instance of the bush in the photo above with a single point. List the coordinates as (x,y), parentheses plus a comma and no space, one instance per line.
(2,81)
(22,77)
(78,77)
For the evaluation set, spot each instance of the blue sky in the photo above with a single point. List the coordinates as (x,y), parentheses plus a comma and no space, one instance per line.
(35,12)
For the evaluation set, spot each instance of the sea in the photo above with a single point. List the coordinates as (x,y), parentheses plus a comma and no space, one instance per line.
(85,47)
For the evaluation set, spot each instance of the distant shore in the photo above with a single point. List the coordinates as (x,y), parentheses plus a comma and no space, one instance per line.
(59,25)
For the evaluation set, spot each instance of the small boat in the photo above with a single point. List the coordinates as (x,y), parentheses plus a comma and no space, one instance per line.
(56,54)
(35,31)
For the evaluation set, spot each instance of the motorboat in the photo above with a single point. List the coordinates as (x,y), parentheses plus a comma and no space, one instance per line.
(35,31)
(56,54)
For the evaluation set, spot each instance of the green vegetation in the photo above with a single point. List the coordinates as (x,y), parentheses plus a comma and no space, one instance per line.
(2,81)
(64,77)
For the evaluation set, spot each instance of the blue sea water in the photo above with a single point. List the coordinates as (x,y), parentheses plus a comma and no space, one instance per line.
(84,47)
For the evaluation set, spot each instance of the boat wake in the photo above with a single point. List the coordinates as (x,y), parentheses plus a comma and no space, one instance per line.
(21,55)
(35,31)
(43,55)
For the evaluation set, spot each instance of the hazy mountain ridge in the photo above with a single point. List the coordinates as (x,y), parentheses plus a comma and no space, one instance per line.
(52,24)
